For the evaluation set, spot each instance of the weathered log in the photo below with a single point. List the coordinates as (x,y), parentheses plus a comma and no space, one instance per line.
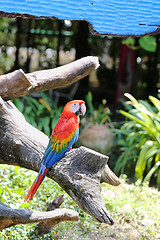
(17,83)
(10,217)
(46,226)
(79,172)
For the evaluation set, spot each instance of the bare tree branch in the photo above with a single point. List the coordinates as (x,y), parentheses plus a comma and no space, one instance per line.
(79,172)
(17,83)
(46,226)
(10,217)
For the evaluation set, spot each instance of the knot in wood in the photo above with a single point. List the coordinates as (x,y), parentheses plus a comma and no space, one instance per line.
(77,176)
(18,142)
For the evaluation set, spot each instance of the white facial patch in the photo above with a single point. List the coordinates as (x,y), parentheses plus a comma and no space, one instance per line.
(83,108)
(75,107)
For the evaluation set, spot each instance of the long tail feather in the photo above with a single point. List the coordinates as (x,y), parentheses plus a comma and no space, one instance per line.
(35,185)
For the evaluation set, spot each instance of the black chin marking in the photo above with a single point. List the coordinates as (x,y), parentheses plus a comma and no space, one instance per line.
(79,112)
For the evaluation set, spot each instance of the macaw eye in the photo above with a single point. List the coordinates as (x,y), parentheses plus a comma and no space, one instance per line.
(74,107)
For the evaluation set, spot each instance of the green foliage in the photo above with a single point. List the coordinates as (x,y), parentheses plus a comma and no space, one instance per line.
(42,113)
(139,139)
(130,43)
(129,204)
(14,185)
(5,62)
(147,43)
(99,116)
(7,31)
(7,38)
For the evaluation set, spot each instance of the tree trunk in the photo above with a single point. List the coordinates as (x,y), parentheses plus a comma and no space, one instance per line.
(10,217)
(79,172)
(82,50)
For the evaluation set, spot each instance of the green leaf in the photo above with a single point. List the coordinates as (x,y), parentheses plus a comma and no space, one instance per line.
(129,41)
(33,122)
(119,163)
(133,118)
(40,126)
(24,205)
(28,110)
(134,101)
(124,158)
(19,190)
(141,108)
(150,173)
(134,137)
(90,98)
(46,127)
(53,123)
(155,101)
(148,43)
(19,104)
(158,178)
(151,152)
(142,160)
(3,197)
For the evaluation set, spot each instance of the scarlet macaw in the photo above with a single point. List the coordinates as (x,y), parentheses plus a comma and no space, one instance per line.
(64,135)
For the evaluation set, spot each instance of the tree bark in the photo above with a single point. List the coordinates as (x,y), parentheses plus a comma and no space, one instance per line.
(82,50)
(17,83)
(79,172)
(46,226)
(10,217)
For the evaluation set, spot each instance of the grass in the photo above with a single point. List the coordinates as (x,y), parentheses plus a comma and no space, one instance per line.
(134,207)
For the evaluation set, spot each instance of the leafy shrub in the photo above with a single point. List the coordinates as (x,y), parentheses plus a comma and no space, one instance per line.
(41,113)
(99,116)
(148,43)
(139,139)
(95,133)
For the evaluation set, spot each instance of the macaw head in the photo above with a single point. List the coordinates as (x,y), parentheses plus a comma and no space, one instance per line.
(77,107)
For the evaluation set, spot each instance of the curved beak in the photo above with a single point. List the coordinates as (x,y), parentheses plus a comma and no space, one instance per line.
(82,110)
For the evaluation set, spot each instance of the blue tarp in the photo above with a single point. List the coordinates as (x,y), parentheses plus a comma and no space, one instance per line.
(115,17)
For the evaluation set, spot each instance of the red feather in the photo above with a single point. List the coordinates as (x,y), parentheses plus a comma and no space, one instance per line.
(35,186)
(64,135)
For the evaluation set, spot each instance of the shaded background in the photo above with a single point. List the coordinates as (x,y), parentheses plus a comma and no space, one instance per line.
(33,44)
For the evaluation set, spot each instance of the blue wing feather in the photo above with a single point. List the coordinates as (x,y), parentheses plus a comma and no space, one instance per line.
(54,152)
(51,156)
